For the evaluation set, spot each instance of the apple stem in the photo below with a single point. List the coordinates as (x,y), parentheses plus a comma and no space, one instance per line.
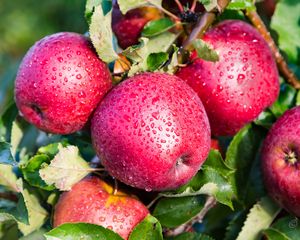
(153,201)
(209,204)
(165,11)
(116,187)
(204,23)
(281,63)
(8,196)
(180,7)
(192,9)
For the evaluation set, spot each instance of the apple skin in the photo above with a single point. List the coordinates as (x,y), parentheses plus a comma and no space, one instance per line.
(281,173)
(128,27)
(60,82)
(92,201)
(238,87)
(151,132)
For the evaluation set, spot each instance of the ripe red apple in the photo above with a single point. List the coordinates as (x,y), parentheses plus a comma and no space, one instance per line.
(60,82)
(128,27)
(92,201)
(151,132)
(237,88)
(281,161)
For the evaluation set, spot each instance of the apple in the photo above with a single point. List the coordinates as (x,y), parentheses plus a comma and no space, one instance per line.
(281,161)
(238,87)
(92,201)
(60,82)
(151,132)
(128,27)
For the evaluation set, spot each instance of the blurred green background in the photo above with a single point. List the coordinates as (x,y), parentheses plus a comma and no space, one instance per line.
(22,23)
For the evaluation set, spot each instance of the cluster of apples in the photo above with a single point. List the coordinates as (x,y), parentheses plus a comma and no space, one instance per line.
(153,130)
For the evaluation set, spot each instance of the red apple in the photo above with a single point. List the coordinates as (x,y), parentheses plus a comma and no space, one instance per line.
(128,27)
(92,201)
(237,88)
(60,82)
(151,132)
(281,161)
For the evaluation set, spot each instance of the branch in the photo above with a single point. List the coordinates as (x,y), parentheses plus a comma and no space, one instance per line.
(287,73)
(204,23)
(209,204)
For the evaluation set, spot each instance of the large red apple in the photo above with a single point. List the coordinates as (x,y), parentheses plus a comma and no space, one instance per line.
(237,88)
(60,82)
(281,161)
(151,132)
(92,201)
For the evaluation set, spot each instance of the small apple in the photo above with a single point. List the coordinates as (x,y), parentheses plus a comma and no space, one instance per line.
(60,82)
(128,27)
(281,161)
(238,87)
(151,132)
(92,201)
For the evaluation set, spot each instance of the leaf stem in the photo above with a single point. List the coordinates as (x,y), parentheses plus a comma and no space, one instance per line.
(287,73)
(209,204)
(179,5)
(193,7)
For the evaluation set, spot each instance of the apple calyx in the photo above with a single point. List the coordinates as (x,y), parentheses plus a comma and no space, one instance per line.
(291,157)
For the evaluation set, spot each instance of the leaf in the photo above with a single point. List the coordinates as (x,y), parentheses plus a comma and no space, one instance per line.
(173,64)
(90,7)
(6,122)
(172,212)
(298,98)
(260,217)
(213,179)
(191,236)
(156,27)
(37,215)
(285,22)
(265,119)
(243,156)
(126,5)
(205,51)
(37,235)
(235,225)
(148,229)
(9,231)
(286,228)
(5,154)
(101,35)
(82,231)
(209,4)
(139,53)
(275,234)
(241,5)
(31,169)
(285,100)
(156,60)
(66,169)
(8,178)
(16,137)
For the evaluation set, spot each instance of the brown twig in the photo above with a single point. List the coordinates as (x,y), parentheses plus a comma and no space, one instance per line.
(209,204)
(8,196)
(204,23)
(281,63)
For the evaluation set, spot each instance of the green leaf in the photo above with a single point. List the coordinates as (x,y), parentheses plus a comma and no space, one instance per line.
(155,27)
(139,53)
(213,179)
(284,101)
(205,51)
(241,5)
(5,154)
(37,215)
(285,22)
(191,236)
(243,156)
(172,212)
(16,213)
(148,229)
(287,227)
(16,137)
(101,35)
(9,230)
(209,4)
(6,122)
(235,225)
(156,60)
(298,98)
(82,231)
(31,169)
(260,217)
(173,63)
(8,178)
(274,234)
(265,119)
(37,235)
(90,7)
(66,169)
(126,5)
